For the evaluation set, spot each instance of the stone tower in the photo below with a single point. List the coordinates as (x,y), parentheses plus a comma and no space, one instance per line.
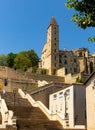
(50,51)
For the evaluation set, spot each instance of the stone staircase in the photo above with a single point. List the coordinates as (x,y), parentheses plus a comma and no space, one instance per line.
(28,117)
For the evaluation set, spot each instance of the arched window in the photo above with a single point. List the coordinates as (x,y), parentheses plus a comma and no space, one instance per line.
(91,67)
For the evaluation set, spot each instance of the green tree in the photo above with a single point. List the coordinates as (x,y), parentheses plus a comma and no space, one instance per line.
(10,59)
(34,69)
(22,61)
(85,13)
(79,80)
(3,61)
(43,71)
(33,58)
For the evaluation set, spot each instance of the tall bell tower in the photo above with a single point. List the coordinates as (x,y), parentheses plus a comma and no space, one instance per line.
(50,52)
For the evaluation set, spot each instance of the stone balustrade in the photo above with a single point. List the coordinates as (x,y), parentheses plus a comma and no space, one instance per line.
(47,112)
(7,115)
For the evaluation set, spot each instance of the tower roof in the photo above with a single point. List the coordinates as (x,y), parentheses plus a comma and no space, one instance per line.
(53,22)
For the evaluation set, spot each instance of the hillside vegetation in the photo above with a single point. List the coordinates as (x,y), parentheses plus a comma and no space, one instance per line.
(23,60)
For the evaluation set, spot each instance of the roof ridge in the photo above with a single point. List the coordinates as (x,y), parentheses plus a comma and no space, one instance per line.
(53,21)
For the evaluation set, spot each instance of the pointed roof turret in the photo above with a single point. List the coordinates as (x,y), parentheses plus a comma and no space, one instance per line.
(53,22)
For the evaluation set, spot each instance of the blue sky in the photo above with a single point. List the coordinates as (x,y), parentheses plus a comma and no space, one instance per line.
(23,26)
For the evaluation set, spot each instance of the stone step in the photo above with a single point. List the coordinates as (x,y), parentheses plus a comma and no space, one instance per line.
(29,117)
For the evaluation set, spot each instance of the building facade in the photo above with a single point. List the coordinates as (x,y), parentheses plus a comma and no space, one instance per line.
(50,51)
(74,61)
(70,104)
(90,101)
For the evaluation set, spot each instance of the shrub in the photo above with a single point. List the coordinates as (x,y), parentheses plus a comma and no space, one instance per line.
(54,71)
(79,80)
(43,71)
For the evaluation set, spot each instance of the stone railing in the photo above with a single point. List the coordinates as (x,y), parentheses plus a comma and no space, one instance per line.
(47,112)
(60,118)
(44,109)
(22,94)
(79,127)
(7,115)
(39,104)
(31,100)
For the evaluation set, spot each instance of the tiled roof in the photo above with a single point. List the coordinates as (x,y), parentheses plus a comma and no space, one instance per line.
(53,22)
(58,86)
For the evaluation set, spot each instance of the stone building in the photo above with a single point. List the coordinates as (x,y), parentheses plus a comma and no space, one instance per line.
(63,62)
(50,51)
(67,102)
(90,101)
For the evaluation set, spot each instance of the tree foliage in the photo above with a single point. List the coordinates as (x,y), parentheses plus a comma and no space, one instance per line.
(10,59)
(79,80)
(85,13)
(3,60)
(33,58)
(23,60)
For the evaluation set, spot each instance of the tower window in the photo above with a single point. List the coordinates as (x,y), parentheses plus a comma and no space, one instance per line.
(55,50)
(60,61)
(75,69)
(55,57)
(65,70)
(65,62)
(75,60)
(65,56)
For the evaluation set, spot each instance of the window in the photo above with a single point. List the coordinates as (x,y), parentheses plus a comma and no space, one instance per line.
(66,105)
(80,54)
(55,57)
(75,69)
(65,62)
(65,56)
(55,50)
(67,115)
(93,84)
(55,97)
(66,71)
(61,95)
(60,61)
(67,92)
(75,60)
